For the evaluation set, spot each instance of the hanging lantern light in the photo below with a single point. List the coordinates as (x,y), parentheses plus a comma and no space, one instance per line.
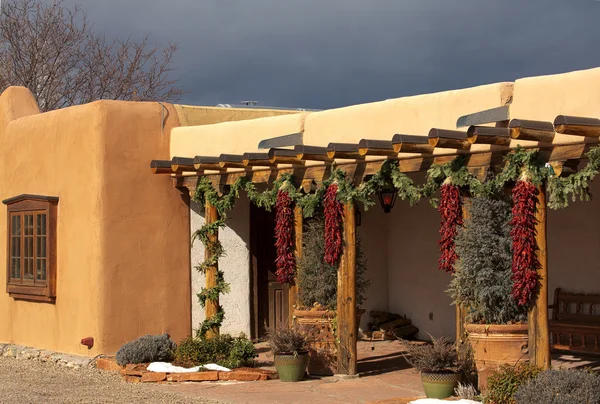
(387,198)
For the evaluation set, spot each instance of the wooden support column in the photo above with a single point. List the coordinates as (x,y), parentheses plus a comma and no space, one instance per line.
(346,296)
(210,308)
(539,337)
(461,311)
(293,290)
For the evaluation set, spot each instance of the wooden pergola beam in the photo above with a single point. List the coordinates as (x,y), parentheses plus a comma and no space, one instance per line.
(489,135)
(256,160)
(371,147)
(293,289)
(207,163)
(577,126)
(360,169)
(538,131)
(314,153)
(343,151)
(161,167)
(449,139)
(284,156)
(411,144)
(231,161)
(182,164)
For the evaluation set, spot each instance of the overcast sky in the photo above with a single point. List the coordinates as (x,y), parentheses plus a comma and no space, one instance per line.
(330,53)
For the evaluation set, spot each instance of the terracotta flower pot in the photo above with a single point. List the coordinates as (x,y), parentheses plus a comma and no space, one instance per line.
(494,345)
(439,385)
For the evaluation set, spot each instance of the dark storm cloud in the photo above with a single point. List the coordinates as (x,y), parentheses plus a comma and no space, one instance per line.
(328,53)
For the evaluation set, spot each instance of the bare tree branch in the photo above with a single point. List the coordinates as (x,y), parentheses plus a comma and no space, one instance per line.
(53,51)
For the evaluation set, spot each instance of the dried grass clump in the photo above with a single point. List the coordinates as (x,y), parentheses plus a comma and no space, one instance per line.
(565,386)
(438,357)
(287,340)
(149,348)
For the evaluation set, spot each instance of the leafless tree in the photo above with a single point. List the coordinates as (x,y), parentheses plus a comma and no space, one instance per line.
(53,51)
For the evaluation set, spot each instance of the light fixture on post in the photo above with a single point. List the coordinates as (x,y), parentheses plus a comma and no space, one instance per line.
(387,198)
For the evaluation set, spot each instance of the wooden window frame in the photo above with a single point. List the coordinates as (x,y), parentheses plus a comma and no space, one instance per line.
(32,289)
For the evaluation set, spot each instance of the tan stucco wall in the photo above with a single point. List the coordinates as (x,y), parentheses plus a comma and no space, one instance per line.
(123,233)
(190,115)
(232,137)
(414,115)
(543,98)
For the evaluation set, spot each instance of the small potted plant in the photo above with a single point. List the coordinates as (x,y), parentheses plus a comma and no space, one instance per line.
(290,351)
(440,365)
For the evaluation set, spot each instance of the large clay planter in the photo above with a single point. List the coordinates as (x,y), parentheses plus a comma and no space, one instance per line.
(318,326)
(439,385)
(495,345)
(290,367)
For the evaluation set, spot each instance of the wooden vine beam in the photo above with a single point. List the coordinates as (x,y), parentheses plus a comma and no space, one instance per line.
(284,156)
(489,135)
(538,131)
(161,167)
(407,164)
(577,126)
(202,163)
(346,296)
(449,139)
(231,161)
(314,153)
(293,289)
(411,144)
(211,307)
(539,336)
(343,151)
(256,160)
(461,311)
(370,147)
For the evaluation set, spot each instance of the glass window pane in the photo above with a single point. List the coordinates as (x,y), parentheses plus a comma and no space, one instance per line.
(41,224)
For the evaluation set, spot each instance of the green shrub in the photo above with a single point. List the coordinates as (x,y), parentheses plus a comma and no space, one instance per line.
(317,279)
(504,383)
(566,386)
(482,281)
(224,350)
(149,348)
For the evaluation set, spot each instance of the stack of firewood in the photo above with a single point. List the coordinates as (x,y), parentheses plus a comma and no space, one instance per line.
(389,326)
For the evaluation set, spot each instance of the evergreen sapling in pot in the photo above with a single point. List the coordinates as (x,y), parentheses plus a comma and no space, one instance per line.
(482,285)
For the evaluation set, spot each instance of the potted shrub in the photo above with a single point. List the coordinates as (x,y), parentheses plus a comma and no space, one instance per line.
(440,364)
(317,296)
(290,351)
(496,325)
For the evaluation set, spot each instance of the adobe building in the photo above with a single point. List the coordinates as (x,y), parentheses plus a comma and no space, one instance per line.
(123,266)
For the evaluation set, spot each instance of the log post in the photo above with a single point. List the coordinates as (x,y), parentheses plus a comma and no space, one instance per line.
(461,311)
(346,296)
(211,308)
(293,290)
(539,337)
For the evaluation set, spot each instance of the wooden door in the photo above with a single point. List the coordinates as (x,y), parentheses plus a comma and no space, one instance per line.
(269,297)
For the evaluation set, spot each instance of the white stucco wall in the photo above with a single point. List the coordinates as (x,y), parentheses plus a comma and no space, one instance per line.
(373,234)
(235,265)
(417,287)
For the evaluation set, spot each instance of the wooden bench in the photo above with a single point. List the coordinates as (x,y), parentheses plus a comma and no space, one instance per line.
(575,323)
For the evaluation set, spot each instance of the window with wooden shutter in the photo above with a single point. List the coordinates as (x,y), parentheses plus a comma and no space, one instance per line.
(31,250)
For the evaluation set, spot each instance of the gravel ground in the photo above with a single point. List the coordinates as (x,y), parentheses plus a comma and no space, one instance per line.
(30,381)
